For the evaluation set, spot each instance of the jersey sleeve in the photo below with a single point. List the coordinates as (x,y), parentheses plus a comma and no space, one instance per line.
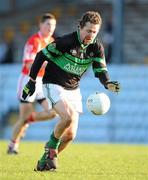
(30,50)
(99,63)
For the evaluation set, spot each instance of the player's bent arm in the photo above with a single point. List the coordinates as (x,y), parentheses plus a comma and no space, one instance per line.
(29,88)
(37,64)
(113,86)
(103,77)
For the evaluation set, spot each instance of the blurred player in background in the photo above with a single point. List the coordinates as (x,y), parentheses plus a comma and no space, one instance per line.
(68,59)
(33,45)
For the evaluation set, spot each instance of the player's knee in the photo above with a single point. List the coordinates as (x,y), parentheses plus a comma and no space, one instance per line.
(69,118)
(67,121)
(70,136)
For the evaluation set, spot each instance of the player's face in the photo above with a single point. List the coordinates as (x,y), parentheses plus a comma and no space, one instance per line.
(89,32)
(47,28)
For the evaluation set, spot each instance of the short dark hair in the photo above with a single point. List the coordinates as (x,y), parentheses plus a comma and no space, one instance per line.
(90,16)
(46,16)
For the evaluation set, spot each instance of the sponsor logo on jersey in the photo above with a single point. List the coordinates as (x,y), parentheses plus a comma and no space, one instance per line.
(74,69)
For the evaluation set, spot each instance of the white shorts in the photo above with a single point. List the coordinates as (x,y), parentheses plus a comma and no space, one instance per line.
(55,93)
(37,95)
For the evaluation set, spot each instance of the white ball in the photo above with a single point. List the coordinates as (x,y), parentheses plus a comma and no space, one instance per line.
(98,103)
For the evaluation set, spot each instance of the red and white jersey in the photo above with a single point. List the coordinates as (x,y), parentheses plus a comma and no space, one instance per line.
(33,45)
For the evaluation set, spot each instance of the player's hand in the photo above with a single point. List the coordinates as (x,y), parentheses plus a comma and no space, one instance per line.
(113,86)
(28,89)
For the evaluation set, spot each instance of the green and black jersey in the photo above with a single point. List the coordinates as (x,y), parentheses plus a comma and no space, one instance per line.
(68,59)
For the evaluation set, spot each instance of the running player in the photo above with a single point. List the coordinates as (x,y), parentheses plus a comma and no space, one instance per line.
(33,45)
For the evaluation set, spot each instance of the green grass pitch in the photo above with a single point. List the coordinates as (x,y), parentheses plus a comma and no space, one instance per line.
(78,162)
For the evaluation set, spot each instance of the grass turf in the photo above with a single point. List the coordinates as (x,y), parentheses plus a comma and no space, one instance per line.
(77,162)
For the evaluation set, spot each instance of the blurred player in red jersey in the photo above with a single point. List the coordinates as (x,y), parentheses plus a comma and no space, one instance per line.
(33,45)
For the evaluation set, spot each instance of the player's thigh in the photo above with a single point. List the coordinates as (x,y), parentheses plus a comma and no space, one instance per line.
(25,109)
(58,97)
(65,109)
(47,109)
(44,104)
